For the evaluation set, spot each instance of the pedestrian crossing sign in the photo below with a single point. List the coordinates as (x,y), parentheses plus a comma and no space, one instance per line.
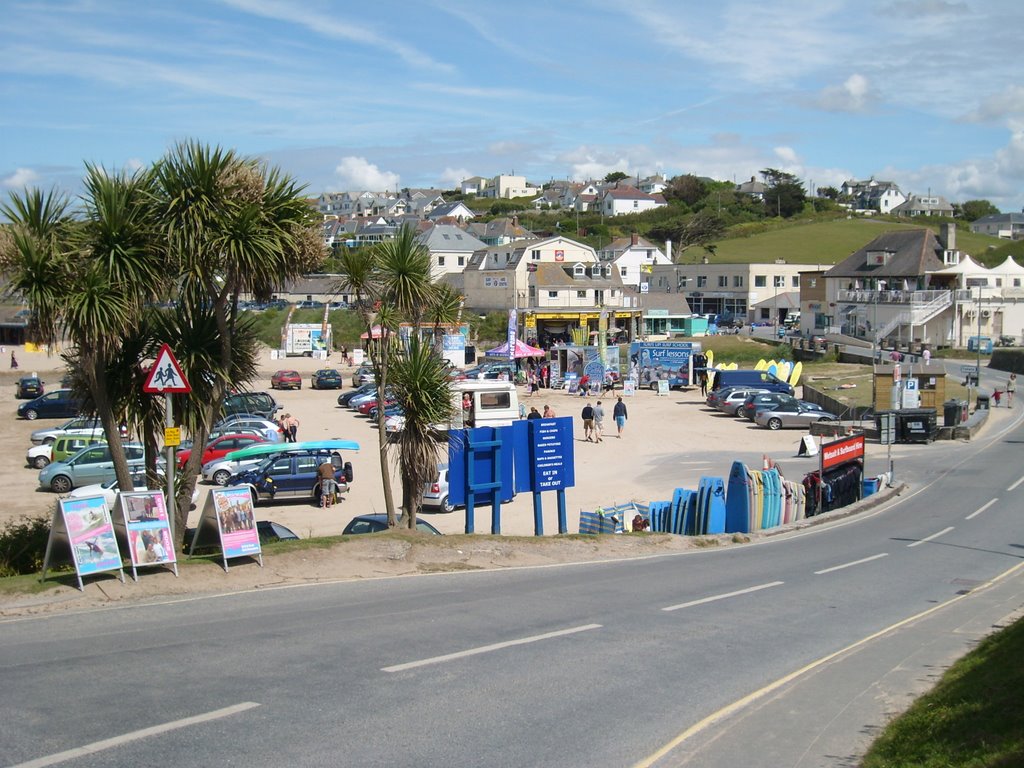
(166,375)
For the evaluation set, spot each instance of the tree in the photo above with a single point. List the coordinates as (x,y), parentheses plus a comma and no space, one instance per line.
(975,209)
(830,192)
(614,176)
(785,195)
(686,189)
(700,229)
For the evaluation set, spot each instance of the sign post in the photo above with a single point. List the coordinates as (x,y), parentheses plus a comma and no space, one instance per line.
(166,377)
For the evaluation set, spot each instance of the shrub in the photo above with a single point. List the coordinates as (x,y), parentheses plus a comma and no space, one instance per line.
(23,545)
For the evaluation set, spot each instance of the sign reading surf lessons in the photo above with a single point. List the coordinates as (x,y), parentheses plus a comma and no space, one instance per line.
(166,375)
(841,451)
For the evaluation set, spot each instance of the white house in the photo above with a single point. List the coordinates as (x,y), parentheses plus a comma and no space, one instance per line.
(450,249)
(457,210)
(505,187)
(633,257)
(619,201)
(474,185)
(873,195)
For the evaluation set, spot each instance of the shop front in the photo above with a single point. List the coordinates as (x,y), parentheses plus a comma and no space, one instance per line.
(548,328)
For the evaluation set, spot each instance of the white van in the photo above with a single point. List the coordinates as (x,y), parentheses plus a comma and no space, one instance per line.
(484,403)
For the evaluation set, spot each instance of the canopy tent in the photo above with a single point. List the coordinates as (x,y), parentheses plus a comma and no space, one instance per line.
(376,333)
(521,349)
(1008,267)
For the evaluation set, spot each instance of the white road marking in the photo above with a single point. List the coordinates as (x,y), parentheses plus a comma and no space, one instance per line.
(116,741)
(850,565)
(981,509)
(711,599)
(488,648)
(1014,486)
(933,536)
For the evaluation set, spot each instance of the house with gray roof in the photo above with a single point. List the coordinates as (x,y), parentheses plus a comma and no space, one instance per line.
(873,195)
(923,205)
(457,211)
(1006,226)
(451,249)
(499,231)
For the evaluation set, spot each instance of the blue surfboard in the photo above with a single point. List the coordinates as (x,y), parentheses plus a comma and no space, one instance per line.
(714,501)
(737,500)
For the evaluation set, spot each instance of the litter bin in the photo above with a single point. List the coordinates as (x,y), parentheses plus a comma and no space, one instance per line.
(869,486)
(952,413)
(916,425)
(982,402)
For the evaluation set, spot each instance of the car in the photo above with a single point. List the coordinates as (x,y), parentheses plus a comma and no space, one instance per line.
(716,396)
(220,447)
(286,380)
(29,388)
(371,397)
(38,456)
(93,464)
(733,400)
(435,494)
(390,409)
(326,378)
(219,471)
(292,475)
(268,530)
(346,397)
(77,426)
(364,407)
(59,404)
(231,429)
(109,490)
(762,401)
(795,415)
(260,404)
(66,446)
(378,523)
(362,375)
(310,305)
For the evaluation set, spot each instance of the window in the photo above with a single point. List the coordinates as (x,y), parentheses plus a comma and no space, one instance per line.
(446,237)
(535,255)
(306,465)
(796,281)
(581,294)
(702,281)
(737,281)
(462,261)
(814,282)
(622,271)
(281,467)
(440,261)
(579,271)
(682,281)
(723,281)
(779,281)
(495,400)
(552,294)
(760,281)
(636,203)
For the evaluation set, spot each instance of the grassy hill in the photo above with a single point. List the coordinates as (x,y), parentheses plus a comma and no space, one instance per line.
(825,242)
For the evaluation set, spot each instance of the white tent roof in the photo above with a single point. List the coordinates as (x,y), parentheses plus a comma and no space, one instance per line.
(967,266)
(1008,267)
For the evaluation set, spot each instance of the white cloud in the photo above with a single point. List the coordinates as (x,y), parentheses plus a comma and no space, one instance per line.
(853,95)
(1007,103)
(356,173)
(22,177)
(451,178)
(788,156)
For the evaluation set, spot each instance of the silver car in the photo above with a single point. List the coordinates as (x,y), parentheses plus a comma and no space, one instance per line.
(735,398)
(435,494)
(219,471)
(795,415)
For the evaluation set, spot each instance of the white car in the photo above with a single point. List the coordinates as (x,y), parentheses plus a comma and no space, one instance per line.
(108,491)
(80,425)
(219,471)
(38,456)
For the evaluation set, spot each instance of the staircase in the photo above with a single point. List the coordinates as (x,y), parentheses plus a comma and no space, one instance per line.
(919,313)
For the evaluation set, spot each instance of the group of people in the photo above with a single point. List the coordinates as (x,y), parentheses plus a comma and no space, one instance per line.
(1011,390)
(288,425)
(593,420)
(549,413)
(537,376)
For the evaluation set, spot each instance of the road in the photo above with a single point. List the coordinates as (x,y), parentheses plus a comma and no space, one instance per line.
(778,653)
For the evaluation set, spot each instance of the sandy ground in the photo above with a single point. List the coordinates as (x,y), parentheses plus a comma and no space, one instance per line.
(668,442)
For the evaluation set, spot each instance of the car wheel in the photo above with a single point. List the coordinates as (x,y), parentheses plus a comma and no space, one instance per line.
(40,461)
(447,506)
(774,423)
(49,441)
(31,415)
(221,477)
(61,484)
(824,419)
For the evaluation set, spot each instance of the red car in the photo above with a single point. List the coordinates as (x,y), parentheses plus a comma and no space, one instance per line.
(286,380)
(365,407)
(220,448)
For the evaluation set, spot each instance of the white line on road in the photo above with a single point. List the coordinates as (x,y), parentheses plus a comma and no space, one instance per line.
(933,536)
(711,599)
(116,741)
(488,648)
(849,565)
(981,509)
(1014,486)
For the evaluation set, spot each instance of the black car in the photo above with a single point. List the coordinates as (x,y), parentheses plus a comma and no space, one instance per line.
(365,389)
(29,387)
(257,403)
(326,378)
(58,404)
(378,523)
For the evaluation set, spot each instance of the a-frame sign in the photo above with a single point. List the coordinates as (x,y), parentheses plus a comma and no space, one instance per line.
(166,375)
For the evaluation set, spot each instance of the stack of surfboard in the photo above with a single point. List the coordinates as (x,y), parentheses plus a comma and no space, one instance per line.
(759,499)
(691,513)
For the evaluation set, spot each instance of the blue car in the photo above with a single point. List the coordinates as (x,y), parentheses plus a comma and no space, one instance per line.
(292,476)
(58,404)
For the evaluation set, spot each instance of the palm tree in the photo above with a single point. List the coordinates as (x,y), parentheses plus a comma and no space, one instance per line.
(422,388)
(445,309)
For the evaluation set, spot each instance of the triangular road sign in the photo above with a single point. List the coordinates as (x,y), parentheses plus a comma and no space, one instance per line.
(166,374)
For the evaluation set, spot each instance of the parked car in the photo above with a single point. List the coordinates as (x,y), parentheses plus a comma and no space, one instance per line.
(362,375)
(435,494)
(66,446)
(78,426)
(346,397)
(293,475)
(326,378)
(310,305)
(761,402)
(38,456)
(378,523)
(90,465)
(109,490)
(219,471)
(260,404)
(716,396)
(59,404)
(231,429)
(220,447)
(796,415)
(734,399)
(286,380)
(29,388)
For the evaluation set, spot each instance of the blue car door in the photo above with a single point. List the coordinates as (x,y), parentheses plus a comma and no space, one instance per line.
(306,475)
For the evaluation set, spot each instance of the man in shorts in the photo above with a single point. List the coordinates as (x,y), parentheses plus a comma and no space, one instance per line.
(588,421)
(328,485)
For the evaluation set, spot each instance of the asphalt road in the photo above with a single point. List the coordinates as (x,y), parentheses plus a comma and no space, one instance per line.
(758,655)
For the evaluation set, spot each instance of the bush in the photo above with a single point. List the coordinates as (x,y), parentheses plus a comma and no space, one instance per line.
(23,545)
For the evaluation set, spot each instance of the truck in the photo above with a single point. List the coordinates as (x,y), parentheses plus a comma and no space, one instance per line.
(475,403)
(654,361)
(307,339)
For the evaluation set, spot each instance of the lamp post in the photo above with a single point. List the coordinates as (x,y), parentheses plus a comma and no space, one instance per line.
(977,366)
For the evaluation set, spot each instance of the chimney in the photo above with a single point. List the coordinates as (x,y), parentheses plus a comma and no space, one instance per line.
(635,239)
(668,249)
(947,236)
(515,221)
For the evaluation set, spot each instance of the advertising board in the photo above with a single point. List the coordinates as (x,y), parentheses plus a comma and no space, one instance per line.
(841,451)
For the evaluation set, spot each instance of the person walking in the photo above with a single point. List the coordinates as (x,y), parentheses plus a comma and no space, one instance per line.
(588,421)
(1011,387)
(619,414)
(598,421)
(14,360)
(926,355)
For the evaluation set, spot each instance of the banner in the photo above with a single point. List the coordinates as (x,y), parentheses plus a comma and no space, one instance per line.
(228,520)
(841,451)
(84,528)
(513,318)
(147,528)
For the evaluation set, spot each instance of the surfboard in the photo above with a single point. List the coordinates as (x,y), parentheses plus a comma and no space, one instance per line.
(785,367)
(714,503)
(787,501)
(737,500)
(755,515)
(265,449)
(794,376)
(710,355)
(697,527)
(773,497)
(761,365)
(757,505)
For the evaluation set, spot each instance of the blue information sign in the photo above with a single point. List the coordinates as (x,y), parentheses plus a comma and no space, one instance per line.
(551,448)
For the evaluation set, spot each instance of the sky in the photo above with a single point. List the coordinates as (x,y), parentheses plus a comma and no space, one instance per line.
(380,96)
